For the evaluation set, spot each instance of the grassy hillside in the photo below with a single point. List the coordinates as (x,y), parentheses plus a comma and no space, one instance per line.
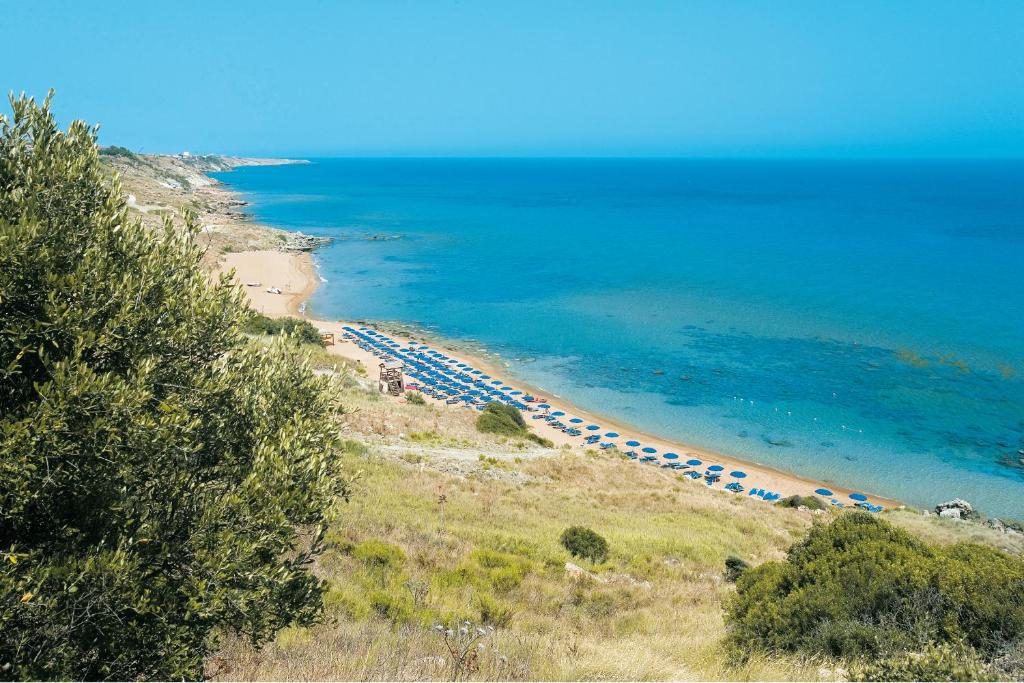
(400,562)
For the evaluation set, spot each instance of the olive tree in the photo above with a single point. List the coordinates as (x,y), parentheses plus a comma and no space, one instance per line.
(162,480)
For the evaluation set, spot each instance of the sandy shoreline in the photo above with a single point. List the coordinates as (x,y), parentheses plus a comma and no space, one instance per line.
(295,275)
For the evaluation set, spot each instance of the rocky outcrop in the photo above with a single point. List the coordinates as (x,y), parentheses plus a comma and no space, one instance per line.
(300,242)
(955,509)
(1000,525)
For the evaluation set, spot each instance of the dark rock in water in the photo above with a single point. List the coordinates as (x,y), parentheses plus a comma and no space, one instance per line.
(827,444)
(782,443)
(659,372)
(742,433)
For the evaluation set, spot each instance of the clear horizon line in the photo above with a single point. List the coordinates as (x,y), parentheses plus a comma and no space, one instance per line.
(599,157)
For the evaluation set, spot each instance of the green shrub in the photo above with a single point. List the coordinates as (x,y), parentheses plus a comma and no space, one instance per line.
(379,555)
(943,662)
(346,603)
(734,568)
(493,612)
(392,606)
(586,543)
(499,418)
(303,330)
(538,439)
(116,151)
(501,572)
(861,588)
(162,478)
(415,398)
(810,502)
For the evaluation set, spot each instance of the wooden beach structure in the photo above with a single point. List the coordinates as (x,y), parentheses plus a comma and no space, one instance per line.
(392,380)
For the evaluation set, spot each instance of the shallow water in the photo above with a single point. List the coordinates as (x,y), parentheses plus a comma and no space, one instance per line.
(861,323)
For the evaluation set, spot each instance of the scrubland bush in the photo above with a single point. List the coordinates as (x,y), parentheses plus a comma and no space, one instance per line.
(810,502)
(861,589)
(303,330)
(540,440)
(734,568)
(943,662)
(586,543)
(379,555)
(499,418)
(415,397)
(392,606)
(494,612)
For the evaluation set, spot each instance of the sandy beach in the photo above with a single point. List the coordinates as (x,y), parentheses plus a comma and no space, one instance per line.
(294,274)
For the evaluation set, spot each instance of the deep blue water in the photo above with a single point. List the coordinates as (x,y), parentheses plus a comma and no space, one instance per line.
(859,322)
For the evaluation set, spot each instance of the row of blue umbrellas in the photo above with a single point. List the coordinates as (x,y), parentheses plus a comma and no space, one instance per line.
(453,378)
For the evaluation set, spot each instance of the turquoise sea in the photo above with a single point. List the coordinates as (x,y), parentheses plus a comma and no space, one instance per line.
(858,322)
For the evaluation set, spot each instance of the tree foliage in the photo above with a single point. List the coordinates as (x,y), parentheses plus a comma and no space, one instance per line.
(861,588)
(584,542)
(499,418)
(161,479)
(304,331)
(734,568)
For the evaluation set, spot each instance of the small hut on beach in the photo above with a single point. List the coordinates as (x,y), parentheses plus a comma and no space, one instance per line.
(392,380)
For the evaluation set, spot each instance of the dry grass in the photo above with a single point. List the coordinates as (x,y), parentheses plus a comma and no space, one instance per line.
(398,564)
(652,611)
(935,530)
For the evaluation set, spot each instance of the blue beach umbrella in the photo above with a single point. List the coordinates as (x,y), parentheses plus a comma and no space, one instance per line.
(694,462)
(858,496)
(823,492)
(485,376)
(543,405)
(611,435)
(738,475)
(558,413)
(497,381)
(592,428)
(669,456)
(632,443)
(715,468)
(649,450)
(515,393)
(576,420)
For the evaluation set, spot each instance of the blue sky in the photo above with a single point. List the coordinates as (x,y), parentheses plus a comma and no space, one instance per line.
(716,78)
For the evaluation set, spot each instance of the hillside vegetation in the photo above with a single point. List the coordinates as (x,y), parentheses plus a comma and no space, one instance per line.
(163,479)
(491,553)
(189,490)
